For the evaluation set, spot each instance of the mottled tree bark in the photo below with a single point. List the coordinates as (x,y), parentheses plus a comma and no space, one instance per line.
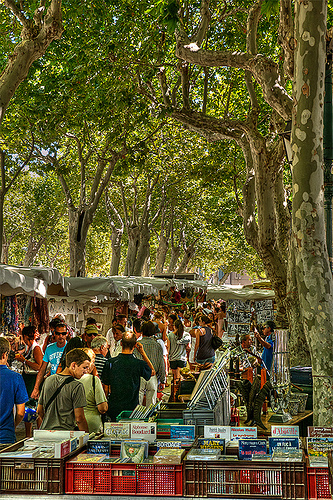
(310,264)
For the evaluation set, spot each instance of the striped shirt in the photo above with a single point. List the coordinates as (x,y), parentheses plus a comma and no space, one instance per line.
(155,354)
(99,363)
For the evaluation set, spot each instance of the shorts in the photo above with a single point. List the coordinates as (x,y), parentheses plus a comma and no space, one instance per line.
(208,360)
(177,363)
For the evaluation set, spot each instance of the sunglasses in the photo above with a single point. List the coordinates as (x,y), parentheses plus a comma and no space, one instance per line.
(60,333)
(91,334)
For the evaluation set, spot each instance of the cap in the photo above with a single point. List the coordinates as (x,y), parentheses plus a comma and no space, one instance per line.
(91,329)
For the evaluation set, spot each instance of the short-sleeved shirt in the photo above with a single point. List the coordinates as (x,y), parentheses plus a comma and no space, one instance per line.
(123,374)
(12,392)
(267,354)
(95,395)
(60,414)
(53,355)
(99,363)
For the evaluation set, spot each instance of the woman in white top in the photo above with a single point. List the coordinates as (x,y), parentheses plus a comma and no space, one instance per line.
(95,396)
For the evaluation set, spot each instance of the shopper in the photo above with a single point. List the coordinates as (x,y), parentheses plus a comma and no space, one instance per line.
(96,399)
(266,340)
(100,347)
(31,360)
(176,346)
(90,332)
(74,343)
(62,398)
(154,352)
(52,355)
(204,352)
(122,375)
(12,394)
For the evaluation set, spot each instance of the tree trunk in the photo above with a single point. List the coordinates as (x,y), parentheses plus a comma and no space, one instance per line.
(2,201)
(163,244)
(35,38)
(310,263)
(189,253)
(32,251)
(133,234)
(143,251)
(161,254)
(79,223)
(116,237)
(175,253)
(146,266)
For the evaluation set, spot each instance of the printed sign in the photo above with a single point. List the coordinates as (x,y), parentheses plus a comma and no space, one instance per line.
(96,310)
(217,432)
(320,431)
(243,433)
(249,447)
(212,444)
(183,432)
(143,430)
(285,430)
(281,443)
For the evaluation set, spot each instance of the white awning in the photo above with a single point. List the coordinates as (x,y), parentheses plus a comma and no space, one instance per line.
(13,282)
(225,292)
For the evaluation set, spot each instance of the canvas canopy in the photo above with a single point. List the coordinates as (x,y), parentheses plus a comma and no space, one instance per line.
(225,292)
(53,280)
(123,287)
(12,282)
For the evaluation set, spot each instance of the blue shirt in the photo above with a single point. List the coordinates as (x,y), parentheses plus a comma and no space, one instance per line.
(12,392)
(267,354)
(52,355)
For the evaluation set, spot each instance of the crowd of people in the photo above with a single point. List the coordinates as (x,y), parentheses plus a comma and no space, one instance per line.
(79,381)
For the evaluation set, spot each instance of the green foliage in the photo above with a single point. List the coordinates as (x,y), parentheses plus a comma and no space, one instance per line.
(270,8)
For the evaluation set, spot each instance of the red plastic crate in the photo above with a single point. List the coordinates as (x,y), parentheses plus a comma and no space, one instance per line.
(318,483)
(156,479)
(123,479)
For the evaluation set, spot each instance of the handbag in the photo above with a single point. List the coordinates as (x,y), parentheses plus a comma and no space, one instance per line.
(216,342)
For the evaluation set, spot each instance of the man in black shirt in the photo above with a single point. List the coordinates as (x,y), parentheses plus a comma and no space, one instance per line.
(122,375)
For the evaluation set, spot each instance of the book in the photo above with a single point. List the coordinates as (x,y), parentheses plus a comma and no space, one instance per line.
(217,432)
(280,455)
(21,453)
(135,450)
(117,430)
(143,430)
(183,432)
(262,458)
(212,444)
(284,443)
(318,448)
(45,435)
(168,456)
(99,446)
(237,433)
(203,454)
(88,458)
(284,431)
(320,431)
(249,447)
